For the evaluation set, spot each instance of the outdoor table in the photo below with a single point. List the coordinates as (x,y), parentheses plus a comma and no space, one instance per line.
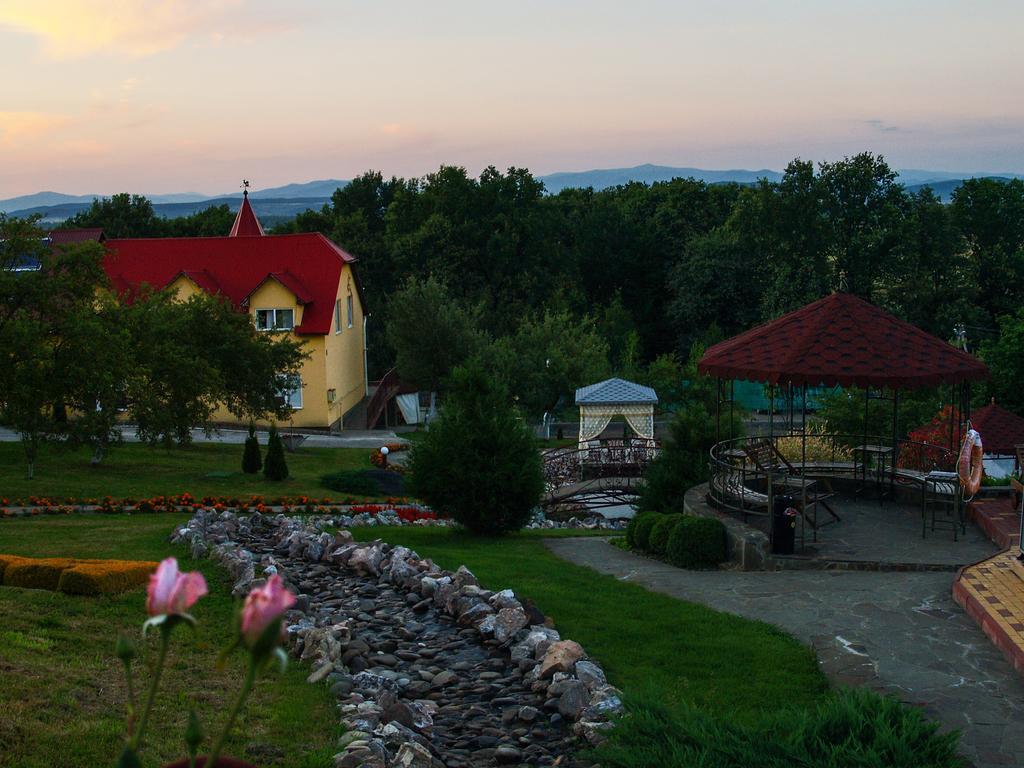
(881,453)
(735,456)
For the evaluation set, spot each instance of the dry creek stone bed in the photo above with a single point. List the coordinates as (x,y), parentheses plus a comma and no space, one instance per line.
(429,669)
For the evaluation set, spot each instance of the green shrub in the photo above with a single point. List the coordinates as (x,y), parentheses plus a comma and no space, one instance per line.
(642,529)
(478,463)
(252,462)
(275,467)
(658,542)
(354,481)
(851,728)
(697,542)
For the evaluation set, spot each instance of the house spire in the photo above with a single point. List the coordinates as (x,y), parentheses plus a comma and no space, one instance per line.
(246,224)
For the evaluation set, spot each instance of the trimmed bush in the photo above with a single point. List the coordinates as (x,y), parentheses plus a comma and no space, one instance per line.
(642,529)
(658,541)
(104,577)
(851,728)
(697,542)
(252,461)
(354,481)
(31,573)
(74,577)
(275,467)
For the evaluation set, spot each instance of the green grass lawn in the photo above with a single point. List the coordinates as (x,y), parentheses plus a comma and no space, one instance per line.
(62,692)
(138,471)
(647,642)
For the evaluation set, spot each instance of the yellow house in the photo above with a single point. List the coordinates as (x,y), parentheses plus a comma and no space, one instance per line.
(303,285)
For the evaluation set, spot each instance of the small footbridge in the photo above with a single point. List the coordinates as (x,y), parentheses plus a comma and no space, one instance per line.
(605,473)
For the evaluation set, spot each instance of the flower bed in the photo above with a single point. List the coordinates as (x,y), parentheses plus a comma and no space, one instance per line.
(72,576)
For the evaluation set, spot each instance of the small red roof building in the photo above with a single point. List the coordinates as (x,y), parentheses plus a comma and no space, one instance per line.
(1001,431)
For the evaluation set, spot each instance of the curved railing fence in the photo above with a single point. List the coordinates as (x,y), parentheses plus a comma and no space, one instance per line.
(743,470)
(600,459)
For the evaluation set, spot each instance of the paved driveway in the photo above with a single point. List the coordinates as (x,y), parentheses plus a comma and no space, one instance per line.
(899,632)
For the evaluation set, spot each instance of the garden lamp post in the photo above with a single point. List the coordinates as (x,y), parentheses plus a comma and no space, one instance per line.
(384,451)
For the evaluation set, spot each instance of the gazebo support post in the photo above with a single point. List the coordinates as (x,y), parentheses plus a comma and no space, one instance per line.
(732,399)
(771,439)
(863,453)
(803,471)
(718,411)
(895,434)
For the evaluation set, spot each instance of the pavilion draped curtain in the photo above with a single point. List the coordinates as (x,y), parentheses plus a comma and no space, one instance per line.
(593,421)
(641,419)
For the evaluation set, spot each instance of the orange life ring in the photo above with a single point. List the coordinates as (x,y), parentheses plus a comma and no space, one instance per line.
(970,464)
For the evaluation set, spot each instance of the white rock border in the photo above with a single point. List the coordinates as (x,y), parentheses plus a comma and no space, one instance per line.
(559,667)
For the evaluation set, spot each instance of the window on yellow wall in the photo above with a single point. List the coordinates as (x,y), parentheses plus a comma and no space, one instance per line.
(275,319)
(348,302)
(337,316)
(290,391)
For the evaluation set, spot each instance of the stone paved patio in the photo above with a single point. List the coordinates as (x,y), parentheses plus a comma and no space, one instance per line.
(887,532)
(899,632)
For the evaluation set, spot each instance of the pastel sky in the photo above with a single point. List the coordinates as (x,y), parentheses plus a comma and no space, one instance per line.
(158,96)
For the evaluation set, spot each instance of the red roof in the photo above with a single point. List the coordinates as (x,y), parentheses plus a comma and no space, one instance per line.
(75,236)
(246,224)
(841,340)
(289,281)
(1001,431)
(236,266)
(200,277)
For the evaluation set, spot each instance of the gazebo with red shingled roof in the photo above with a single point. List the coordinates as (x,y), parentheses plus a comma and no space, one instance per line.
(841,340)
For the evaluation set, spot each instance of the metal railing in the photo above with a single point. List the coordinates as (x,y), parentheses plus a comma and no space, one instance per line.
(736,483)
(605,458)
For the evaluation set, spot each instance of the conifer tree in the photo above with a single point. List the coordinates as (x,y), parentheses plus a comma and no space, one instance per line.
(252,461)
(275,467)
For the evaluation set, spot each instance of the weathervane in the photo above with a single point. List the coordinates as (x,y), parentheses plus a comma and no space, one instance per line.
(245,187)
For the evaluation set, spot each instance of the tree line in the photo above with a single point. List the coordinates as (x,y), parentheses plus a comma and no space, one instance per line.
(555,290)
(76,359)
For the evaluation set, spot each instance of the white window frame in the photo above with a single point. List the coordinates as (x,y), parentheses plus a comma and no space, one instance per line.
(350,309)
(290,389)
(337,316)
(273,314)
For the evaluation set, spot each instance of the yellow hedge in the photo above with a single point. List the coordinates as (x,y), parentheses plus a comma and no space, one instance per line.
(74,577)
(33,573)
(104,577)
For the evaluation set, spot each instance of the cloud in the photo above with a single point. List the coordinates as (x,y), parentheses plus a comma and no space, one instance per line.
(883,126)
(17,128)
(76,28)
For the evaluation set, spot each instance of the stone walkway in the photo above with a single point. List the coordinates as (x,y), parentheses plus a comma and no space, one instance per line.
(899,632)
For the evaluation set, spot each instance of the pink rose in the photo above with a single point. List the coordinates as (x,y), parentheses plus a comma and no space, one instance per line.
(171,592)
(263,606)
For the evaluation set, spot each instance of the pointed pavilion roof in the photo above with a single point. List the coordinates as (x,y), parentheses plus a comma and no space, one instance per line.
(841,340)
(615,392)
(246,224)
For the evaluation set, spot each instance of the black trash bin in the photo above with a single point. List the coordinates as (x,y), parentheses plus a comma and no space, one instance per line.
(783,525)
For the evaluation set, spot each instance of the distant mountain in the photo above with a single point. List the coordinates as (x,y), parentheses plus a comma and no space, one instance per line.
(270,210)
(648,174)
(285,201)
(319,189)
(41,199)
(945,188)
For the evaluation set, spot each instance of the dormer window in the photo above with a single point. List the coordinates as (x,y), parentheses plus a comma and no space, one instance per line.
(275,319)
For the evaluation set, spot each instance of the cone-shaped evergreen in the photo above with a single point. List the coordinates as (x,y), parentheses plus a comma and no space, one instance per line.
(252,461)
(275,467)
